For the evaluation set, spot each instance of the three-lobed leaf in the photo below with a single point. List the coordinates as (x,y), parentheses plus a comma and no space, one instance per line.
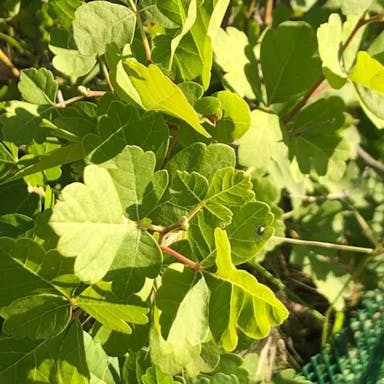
(183,346)
(236,58)
(123,125)
(330,38)
(115,312)
(239,301)
(93,227)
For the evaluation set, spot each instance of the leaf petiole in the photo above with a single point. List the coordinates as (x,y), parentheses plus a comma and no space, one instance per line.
(182,258)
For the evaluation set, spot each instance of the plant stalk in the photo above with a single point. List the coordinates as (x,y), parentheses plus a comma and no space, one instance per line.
(8,63)
(321,244)
(147,48)
(182,258)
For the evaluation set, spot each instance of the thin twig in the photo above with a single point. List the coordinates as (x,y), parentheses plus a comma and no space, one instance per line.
(303,101)
(8,63)
(268,13)
(147,48)
(370,161)
(106,75)
(86,93)
(367,230)
(321,244)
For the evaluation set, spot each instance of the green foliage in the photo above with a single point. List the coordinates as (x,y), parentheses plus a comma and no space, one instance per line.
(153,156)
(368,72)
(115,23)
(329,37)
(249,305)
(158,93)
(289,60)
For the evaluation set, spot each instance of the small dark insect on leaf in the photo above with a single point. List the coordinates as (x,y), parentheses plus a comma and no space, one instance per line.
(260,230)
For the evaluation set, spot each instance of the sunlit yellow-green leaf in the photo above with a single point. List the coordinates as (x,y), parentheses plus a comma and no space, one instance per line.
(238,301)
(159,93)
(368,72)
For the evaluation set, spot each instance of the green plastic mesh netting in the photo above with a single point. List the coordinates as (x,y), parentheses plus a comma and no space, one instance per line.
(356,354)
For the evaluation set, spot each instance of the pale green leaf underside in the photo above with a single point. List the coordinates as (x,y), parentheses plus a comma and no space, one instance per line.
(329,37)
(264,133)
(230,54)
(93,228)
(182,348)
(99,23)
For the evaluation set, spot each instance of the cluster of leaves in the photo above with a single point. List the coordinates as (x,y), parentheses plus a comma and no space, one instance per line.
(150,160)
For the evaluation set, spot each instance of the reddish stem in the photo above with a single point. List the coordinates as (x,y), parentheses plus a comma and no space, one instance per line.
(182,258)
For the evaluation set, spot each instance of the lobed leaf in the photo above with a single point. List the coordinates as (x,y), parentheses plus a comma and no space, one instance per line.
(330,39)
(189,189)
(250,229)
(100,302)
(264,133)
(47,361)
(183,347)
(239,301)
(64,10)
(229,187)
(68,59)
(189,53)
(92,226)
(177,281)
(203,159)
(236,58)
(22,122)
(123,125)
(314,141)
(52,159)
